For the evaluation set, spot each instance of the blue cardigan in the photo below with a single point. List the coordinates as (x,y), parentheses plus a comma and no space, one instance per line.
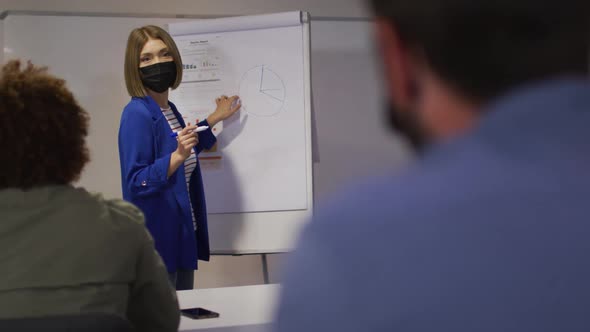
(145,147)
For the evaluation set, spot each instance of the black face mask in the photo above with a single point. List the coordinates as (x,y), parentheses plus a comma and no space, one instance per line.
(159,77)
(408,125)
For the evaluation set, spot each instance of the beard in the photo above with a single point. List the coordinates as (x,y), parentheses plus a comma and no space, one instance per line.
(408,126)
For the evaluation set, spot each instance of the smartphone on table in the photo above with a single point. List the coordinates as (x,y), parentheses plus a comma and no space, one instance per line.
(199,313)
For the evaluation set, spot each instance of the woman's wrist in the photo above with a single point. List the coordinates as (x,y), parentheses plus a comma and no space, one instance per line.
(175,161)
(176,157)
(213,119)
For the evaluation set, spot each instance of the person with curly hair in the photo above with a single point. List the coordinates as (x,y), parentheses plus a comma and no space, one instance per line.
(64,250)
(159,174)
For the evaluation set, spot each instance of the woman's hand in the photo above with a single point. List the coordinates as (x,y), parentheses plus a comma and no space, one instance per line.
(226,107)
(187,140)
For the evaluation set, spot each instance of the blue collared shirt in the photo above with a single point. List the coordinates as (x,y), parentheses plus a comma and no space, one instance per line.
(489,232)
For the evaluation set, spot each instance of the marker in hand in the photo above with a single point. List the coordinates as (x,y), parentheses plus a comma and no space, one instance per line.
(198,130)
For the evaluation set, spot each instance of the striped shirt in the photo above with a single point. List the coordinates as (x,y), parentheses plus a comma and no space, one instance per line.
(190,163)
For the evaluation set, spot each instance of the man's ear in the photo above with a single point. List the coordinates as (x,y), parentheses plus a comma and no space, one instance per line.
(397,64)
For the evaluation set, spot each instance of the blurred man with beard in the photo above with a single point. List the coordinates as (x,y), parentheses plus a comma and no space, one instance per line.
(489,229)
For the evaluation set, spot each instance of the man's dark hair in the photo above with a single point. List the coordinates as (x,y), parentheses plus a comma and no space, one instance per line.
(485,48)
(42,129)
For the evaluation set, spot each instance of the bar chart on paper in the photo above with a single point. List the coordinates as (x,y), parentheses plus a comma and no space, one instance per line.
(201,62)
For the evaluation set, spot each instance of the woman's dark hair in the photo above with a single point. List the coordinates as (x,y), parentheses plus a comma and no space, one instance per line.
(42,129)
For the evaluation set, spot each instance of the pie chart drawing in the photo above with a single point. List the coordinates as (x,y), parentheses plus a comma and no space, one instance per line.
(262,92)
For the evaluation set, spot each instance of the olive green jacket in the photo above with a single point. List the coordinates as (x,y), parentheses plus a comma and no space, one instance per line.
(64,251)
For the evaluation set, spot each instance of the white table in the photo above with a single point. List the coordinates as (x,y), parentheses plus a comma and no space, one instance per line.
(241,309)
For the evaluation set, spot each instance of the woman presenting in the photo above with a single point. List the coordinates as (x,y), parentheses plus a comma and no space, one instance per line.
(160,173)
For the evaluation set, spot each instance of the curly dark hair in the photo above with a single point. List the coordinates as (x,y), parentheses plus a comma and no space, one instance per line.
(42,129)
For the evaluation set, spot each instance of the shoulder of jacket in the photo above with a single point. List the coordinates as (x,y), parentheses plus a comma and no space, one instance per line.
(122,210)
(136,107)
